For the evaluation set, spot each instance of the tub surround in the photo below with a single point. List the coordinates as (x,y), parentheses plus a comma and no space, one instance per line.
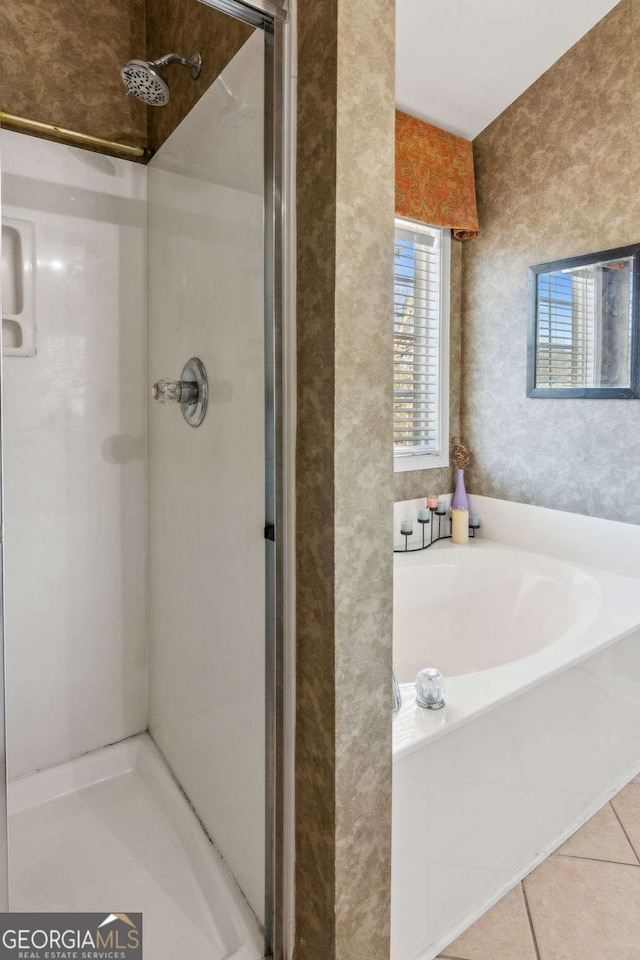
(601,609)
(524,751)
(556,176)
(598,558)
(606,544)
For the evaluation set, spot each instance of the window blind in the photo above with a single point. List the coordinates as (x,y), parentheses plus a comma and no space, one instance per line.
(417,338)
(566,328)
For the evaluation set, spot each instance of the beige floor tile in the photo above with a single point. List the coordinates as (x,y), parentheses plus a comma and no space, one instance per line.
(627,806)
(636,779)
(585,909)
(601,838)
(503,933)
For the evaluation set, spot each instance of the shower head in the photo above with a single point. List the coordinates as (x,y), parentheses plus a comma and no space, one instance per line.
(140,78)
(143,78)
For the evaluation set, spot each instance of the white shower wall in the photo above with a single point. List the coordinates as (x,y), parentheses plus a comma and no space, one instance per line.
(206,485)
(74,458)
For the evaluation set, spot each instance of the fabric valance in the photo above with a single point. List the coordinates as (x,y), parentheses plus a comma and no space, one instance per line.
(435,182)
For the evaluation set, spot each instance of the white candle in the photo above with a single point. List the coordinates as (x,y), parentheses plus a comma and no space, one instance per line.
(460,525)
(423,516)
(406,528)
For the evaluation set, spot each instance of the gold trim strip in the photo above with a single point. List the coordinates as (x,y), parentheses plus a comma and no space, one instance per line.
(35,126)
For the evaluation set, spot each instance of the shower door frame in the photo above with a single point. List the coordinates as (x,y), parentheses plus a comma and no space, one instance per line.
(277,19)
(4,788)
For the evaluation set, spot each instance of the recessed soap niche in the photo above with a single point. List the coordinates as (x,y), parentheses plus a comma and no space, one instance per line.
(18,288)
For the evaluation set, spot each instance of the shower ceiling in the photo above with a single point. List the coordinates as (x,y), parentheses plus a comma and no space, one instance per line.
(460,64)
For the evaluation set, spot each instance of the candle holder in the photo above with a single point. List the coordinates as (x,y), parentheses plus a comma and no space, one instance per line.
(439,512)
(474,525)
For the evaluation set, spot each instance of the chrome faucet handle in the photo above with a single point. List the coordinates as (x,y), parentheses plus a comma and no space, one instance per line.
(175,391)
(190,392)
(397,696)
(430,689)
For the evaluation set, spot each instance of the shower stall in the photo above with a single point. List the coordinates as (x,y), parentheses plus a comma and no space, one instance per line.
(143,499)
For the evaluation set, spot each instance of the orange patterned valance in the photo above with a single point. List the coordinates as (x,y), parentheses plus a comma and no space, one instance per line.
(434,177)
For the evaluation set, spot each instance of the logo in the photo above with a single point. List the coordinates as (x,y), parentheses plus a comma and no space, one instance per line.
(71,936)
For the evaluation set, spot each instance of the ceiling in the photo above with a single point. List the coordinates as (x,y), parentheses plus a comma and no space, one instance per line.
(460,63)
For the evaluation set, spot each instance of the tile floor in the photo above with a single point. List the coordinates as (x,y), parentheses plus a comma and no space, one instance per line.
(582,903)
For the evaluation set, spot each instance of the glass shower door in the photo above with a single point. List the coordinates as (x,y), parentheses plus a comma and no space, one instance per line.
(207,484)
(140,534)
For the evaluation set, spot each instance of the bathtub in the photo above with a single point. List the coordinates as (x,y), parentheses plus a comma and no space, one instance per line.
(541,655)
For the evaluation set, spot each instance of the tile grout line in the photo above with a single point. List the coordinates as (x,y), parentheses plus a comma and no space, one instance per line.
(530,919)
(616,863)
(615,812)
(569,856)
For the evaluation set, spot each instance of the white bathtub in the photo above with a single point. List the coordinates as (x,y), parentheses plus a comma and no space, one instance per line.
(541,726)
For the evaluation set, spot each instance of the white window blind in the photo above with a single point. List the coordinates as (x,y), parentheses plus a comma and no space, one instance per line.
(421,279)
(566,326)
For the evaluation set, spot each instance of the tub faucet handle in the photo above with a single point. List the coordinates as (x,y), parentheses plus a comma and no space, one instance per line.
(430,689)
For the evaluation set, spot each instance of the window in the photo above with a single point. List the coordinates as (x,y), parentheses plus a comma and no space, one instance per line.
(421,346)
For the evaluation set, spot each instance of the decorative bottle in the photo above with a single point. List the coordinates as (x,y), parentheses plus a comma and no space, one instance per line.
(460,499)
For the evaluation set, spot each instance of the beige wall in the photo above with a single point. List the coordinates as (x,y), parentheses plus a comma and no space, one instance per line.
(557,175)
(344,478)
(420,483)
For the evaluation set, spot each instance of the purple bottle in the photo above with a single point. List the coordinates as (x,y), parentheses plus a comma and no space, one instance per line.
(460,499)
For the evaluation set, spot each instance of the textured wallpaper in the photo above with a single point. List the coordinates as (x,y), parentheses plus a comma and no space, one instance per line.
(363,475)
(557,175)
(344,558)
(315,605)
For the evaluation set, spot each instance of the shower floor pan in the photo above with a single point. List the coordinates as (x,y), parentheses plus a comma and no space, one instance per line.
(112,832)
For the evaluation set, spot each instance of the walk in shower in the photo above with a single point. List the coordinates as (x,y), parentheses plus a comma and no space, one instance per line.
(142,499)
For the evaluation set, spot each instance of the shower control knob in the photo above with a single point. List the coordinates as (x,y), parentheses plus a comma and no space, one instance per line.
(190,392)
(175,391)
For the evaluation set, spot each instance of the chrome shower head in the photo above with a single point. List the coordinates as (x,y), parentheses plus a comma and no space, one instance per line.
(140,79)
(143,78)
